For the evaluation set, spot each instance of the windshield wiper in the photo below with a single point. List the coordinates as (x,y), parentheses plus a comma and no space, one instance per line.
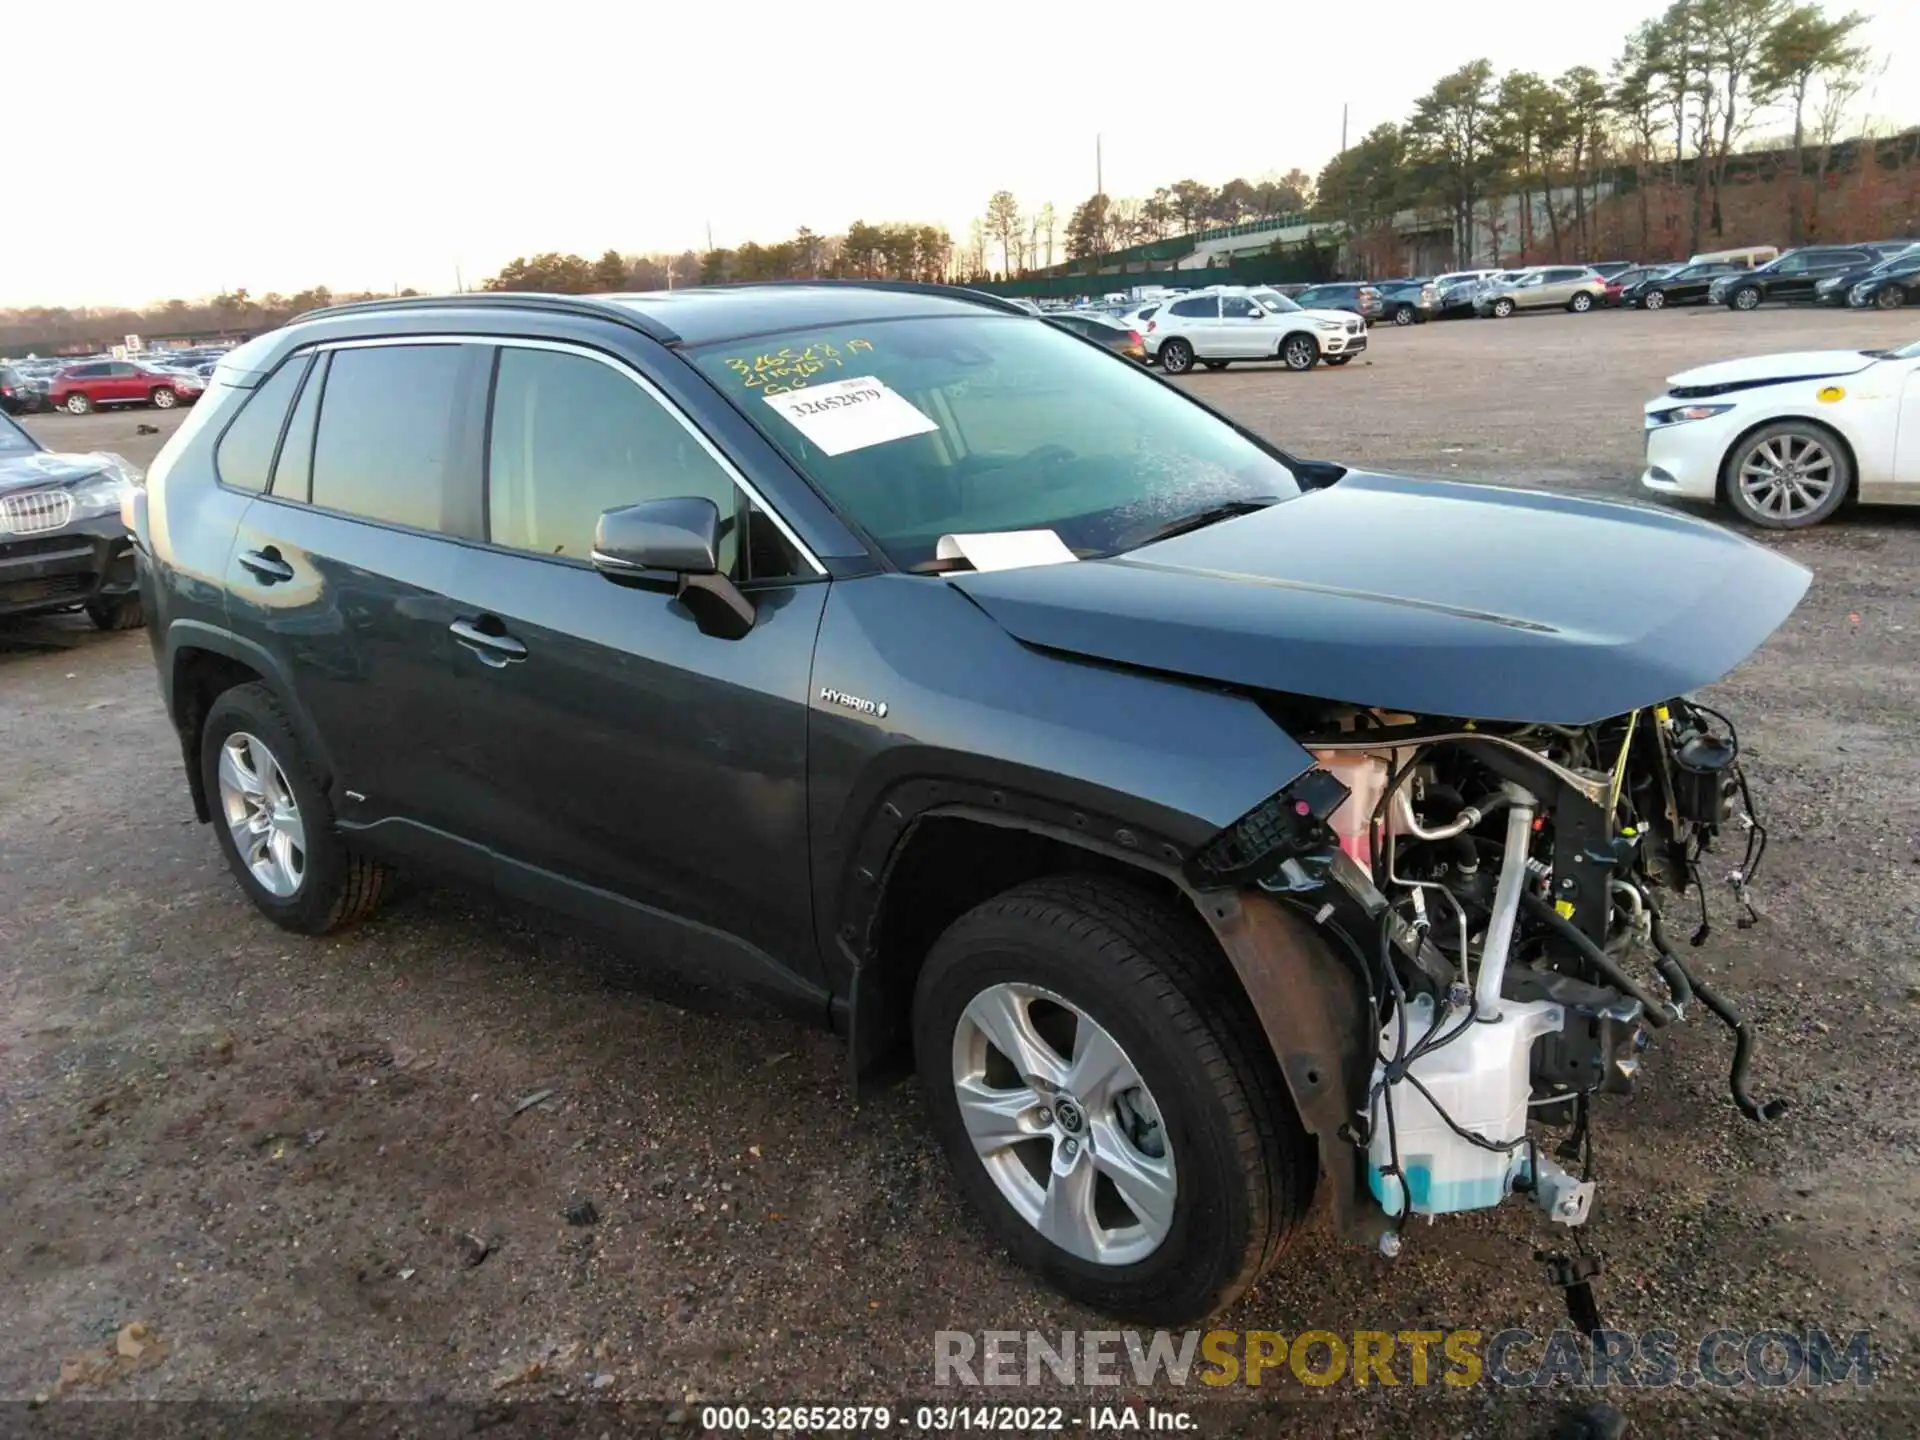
(1198,519)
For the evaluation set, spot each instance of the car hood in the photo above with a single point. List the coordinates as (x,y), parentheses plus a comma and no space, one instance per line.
(1435,598)
(39,468)
(1795,365)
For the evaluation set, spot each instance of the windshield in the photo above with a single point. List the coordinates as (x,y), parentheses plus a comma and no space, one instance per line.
(1906,352)
(13,440)
(920,428)
(1274,301)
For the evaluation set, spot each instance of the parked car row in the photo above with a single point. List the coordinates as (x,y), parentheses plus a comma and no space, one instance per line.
(82,383)
(1875,273)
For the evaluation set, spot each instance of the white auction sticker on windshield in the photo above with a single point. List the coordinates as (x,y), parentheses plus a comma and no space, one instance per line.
(850,414)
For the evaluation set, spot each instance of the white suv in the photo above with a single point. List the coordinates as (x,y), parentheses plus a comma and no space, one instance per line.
(1215,327)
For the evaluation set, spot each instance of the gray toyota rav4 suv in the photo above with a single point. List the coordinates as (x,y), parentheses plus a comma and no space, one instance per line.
(1204,824)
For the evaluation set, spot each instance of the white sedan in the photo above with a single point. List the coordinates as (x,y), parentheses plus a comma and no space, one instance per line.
(1786,440)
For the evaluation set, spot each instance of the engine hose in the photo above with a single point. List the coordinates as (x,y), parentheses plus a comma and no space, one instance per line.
(1679,983)
(1658,1014)
(1759,1110)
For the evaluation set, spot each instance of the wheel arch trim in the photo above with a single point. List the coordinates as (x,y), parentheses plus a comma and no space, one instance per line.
(1309,1005)
(183,636)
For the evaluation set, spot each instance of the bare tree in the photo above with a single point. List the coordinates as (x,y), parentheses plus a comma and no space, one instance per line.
(1002,223)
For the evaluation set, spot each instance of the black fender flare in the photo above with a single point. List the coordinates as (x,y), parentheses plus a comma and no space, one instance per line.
(215,640)
(1310,1005)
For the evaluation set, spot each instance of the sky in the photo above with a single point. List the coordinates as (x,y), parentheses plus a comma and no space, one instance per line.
(279,144)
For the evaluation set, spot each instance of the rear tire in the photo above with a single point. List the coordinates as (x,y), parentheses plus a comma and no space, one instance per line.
(1891,298)
(1045,962)
(121,612)
(1176,356)
(76,404)
(1581,303)
(335,886)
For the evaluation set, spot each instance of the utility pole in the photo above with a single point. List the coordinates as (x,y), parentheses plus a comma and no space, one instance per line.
(1343,129)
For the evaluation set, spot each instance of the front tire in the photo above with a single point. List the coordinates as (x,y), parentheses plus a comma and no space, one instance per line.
(1787,475)
(274,822)
(1300,351)
(1502,308)
(1656,300)
(121,612)
(1404,315)
(1745,298)
(164,398)
(1176,356)
(1107,1100)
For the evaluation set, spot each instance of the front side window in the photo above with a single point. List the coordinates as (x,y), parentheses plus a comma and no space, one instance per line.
(387,435)
(916,429)
(244,456)
(1238,307)
(573,437)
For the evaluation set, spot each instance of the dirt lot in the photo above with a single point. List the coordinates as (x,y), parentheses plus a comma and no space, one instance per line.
(265,1149)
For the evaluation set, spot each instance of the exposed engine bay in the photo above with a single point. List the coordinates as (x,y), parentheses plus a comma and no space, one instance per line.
(1503,893)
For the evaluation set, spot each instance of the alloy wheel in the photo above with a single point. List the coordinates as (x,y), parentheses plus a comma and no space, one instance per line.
(1300,352)
(1892,298)
(165,399)
(1176,357)
(1403,315)
(1503,307)
(1656,300)
(1747,299)
(1583,302)
(262,815)
(1064,1124)
(77,405)
(1787,476)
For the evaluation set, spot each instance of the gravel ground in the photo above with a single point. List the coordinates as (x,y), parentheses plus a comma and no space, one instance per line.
(267,1150)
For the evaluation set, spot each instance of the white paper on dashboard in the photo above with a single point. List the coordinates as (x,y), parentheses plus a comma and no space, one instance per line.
(845,415)
(1005,549)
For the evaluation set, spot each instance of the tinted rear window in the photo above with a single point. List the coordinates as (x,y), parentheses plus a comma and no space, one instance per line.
(387,433)
(244,457)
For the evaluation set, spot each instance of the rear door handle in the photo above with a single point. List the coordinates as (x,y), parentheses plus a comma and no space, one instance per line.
(266,566)
(494,650)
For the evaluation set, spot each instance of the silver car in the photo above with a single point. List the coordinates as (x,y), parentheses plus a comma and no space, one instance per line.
(1546,287)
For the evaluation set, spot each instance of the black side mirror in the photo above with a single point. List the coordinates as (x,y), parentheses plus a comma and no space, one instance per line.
(679,537)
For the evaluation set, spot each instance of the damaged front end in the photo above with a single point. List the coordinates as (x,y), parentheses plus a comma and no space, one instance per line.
(1498,895)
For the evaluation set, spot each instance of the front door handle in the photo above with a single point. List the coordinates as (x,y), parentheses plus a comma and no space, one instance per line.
(266,566)
(493,649)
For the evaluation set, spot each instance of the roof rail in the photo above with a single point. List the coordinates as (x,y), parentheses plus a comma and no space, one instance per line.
(592,306)
(905,287)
